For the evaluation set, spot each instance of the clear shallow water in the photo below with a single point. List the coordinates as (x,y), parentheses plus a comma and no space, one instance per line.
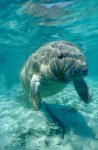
(24,27)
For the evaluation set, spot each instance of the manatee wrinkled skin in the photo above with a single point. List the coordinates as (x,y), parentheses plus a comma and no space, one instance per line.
(48,70)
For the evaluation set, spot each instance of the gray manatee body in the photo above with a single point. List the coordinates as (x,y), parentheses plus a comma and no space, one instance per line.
(48,70)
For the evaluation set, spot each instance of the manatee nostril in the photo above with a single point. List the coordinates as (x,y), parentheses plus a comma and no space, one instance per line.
(76,71)
(79,72)
(85,71)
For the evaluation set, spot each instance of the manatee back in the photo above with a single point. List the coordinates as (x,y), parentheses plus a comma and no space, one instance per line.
(52,50)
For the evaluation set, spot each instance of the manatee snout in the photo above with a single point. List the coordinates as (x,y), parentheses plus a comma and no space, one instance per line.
(77,68)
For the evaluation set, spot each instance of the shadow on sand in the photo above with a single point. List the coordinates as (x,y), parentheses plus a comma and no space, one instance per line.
(68,118)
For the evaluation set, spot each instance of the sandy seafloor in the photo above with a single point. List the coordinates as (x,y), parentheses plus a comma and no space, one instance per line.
(21,128)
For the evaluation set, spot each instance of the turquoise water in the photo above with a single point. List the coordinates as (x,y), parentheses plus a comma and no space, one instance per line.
(24,27)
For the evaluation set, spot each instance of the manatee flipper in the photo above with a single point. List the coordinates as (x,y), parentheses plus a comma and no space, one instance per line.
(82,89)
(35,92)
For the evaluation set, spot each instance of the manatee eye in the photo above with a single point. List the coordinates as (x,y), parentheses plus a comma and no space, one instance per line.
(60,56)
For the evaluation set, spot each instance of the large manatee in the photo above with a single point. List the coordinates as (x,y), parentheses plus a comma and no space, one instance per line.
(48,70)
